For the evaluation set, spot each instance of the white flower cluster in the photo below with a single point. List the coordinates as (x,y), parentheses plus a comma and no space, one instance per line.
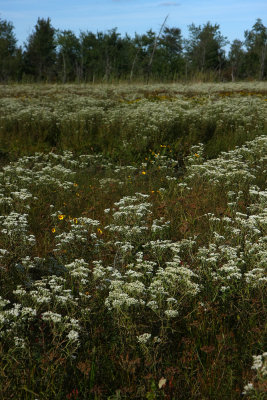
(234,169)
(129,216)
(81,233)
(144,338)
(15,230)
(260,367)
(260,364)
(79,269)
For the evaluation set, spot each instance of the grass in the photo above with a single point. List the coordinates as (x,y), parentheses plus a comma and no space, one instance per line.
(132,257)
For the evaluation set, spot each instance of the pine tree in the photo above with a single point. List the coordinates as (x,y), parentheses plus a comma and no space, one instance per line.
(8,51)
(40,52)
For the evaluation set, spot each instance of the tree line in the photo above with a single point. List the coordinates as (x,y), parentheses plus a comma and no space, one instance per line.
(52,55)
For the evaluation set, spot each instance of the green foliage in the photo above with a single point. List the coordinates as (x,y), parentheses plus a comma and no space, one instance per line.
(9,54)
(237,59)
(68,55)
(256,43)
(51,55)
(40,52)
(205,47)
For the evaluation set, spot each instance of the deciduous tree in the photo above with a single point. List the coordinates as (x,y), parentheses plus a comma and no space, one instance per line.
(236,58)
(68,55)
(256,44)
(204,47)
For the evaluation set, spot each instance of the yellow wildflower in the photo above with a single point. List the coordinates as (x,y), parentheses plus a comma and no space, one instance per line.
(61,216)
(53,230)
(99,231)
(143,172)
(196,155)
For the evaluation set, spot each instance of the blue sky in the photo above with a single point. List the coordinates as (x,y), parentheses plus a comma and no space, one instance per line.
(133,15)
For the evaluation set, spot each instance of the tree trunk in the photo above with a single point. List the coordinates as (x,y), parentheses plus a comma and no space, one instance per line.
(82,68)
(262,61)
(203,59)
(107,69)
(233,73)
(133,65)
(78,72)
(64,68)
(154,49)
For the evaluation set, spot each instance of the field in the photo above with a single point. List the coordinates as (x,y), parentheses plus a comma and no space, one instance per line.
(133,241)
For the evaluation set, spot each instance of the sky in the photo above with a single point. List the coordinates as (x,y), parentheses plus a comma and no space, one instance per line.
(131,16)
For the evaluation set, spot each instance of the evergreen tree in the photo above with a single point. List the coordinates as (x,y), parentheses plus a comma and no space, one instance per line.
(9,55)
(171,45)
(40,52)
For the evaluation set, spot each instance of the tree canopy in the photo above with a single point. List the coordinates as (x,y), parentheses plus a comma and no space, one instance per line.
(56,55)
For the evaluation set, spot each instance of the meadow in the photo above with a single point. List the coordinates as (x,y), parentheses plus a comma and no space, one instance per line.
(133,241)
